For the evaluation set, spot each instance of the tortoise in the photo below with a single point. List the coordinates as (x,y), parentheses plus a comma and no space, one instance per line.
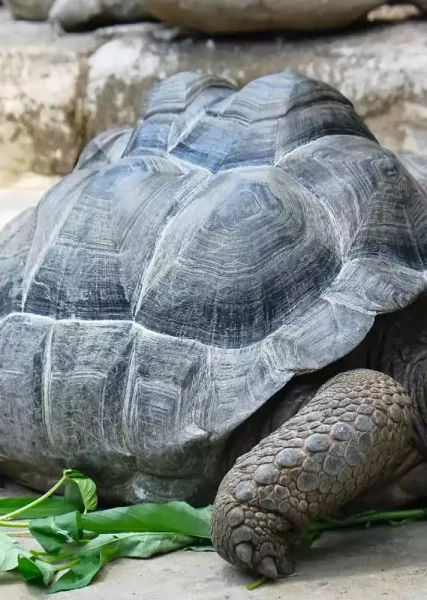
(228,300)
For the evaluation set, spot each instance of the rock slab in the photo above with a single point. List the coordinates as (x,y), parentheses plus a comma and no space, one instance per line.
(72,14)
(225,16)
(77,14)
(382,70)
(58,92)
(43,85)
(33,10)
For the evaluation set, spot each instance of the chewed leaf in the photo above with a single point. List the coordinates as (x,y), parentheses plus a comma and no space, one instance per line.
(85,486)
(52,533)
(81,574)
(13,557)
(35,570)
(178,517)
(139,545)
(108,547)
(9,553)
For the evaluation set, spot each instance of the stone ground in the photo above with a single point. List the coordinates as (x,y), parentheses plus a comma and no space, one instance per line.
(370,564)
(382,562)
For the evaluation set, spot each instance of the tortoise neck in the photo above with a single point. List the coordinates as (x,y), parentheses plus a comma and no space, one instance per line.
(276,411)
(397,346)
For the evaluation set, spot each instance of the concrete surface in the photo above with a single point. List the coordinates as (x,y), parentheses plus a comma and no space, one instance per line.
(21,193)
(381,562)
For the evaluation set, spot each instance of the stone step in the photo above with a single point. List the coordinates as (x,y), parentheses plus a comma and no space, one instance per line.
(59,91)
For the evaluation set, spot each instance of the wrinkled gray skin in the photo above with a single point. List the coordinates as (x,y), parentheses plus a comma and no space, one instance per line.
(243,274)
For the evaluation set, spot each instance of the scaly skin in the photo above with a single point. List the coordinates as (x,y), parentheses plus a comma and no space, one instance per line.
(355,431)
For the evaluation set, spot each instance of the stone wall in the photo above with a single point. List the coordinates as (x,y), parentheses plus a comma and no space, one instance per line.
(59,92)
(43,90)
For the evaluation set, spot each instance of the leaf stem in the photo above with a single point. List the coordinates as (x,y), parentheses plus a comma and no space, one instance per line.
(51,560)
(19,524)
(66,566)
(255,584)
(369,517)
(36,502)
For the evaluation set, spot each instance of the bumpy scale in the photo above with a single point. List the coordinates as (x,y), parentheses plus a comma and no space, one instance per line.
(354,432)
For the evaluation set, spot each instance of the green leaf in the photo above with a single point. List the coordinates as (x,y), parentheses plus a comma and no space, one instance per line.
(138,545)
(35,570)
(9,553)
(53,532)
(73,496)
(201,548)
(50,507)
(107,547)
(86,487)
(178,517)
(81,574)
(13,557)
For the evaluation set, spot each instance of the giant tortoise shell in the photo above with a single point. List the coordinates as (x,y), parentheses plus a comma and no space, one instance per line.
(186,271)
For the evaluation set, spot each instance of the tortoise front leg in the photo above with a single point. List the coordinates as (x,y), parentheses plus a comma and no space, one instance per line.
(354,432)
